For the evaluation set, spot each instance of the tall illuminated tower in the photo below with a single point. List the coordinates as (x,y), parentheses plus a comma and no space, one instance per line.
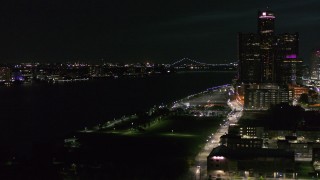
(266,32)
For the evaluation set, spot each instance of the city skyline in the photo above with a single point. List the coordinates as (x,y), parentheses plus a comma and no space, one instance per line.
(123,31)
(267,57)
(191,89)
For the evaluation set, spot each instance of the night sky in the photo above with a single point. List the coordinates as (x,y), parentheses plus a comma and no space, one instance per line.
(144,30)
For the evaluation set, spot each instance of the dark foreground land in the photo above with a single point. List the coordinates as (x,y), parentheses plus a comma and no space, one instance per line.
(164,150)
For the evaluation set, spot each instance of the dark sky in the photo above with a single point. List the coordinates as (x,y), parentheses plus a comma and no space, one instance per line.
(144,30)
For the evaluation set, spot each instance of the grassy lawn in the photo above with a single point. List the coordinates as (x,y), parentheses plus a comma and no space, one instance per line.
(157,149)
(304,170)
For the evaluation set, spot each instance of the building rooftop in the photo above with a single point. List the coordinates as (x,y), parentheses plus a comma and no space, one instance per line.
(249,153)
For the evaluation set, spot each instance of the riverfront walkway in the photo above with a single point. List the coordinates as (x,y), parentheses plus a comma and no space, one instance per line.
(200,170)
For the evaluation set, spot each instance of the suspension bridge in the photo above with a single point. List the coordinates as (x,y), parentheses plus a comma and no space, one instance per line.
(191,64)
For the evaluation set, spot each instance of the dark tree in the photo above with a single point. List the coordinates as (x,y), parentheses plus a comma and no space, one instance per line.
(313,94)
(304,98)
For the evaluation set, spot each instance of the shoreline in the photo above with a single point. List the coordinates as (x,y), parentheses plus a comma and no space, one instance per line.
(170,106)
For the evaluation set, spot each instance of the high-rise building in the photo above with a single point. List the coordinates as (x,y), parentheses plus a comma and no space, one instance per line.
(249,55)
(288,67)
(315,66)
(266,32)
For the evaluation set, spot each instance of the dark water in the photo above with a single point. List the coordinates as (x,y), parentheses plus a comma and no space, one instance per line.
(40,113)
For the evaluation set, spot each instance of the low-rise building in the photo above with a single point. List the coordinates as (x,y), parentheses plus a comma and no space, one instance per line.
(236,141)
(253,162)
(298,90)
(263,96)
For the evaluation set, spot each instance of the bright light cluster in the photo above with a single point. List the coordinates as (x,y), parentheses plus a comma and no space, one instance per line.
(266,16)
(218,157)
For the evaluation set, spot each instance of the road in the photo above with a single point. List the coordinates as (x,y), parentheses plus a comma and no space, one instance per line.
(200,170)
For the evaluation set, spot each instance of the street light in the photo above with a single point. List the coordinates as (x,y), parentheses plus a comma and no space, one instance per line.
(198,171)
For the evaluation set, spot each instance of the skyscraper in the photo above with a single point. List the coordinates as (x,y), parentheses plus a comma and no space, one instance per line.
(266,32)
(315,66)
(249,55)
(287,64)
